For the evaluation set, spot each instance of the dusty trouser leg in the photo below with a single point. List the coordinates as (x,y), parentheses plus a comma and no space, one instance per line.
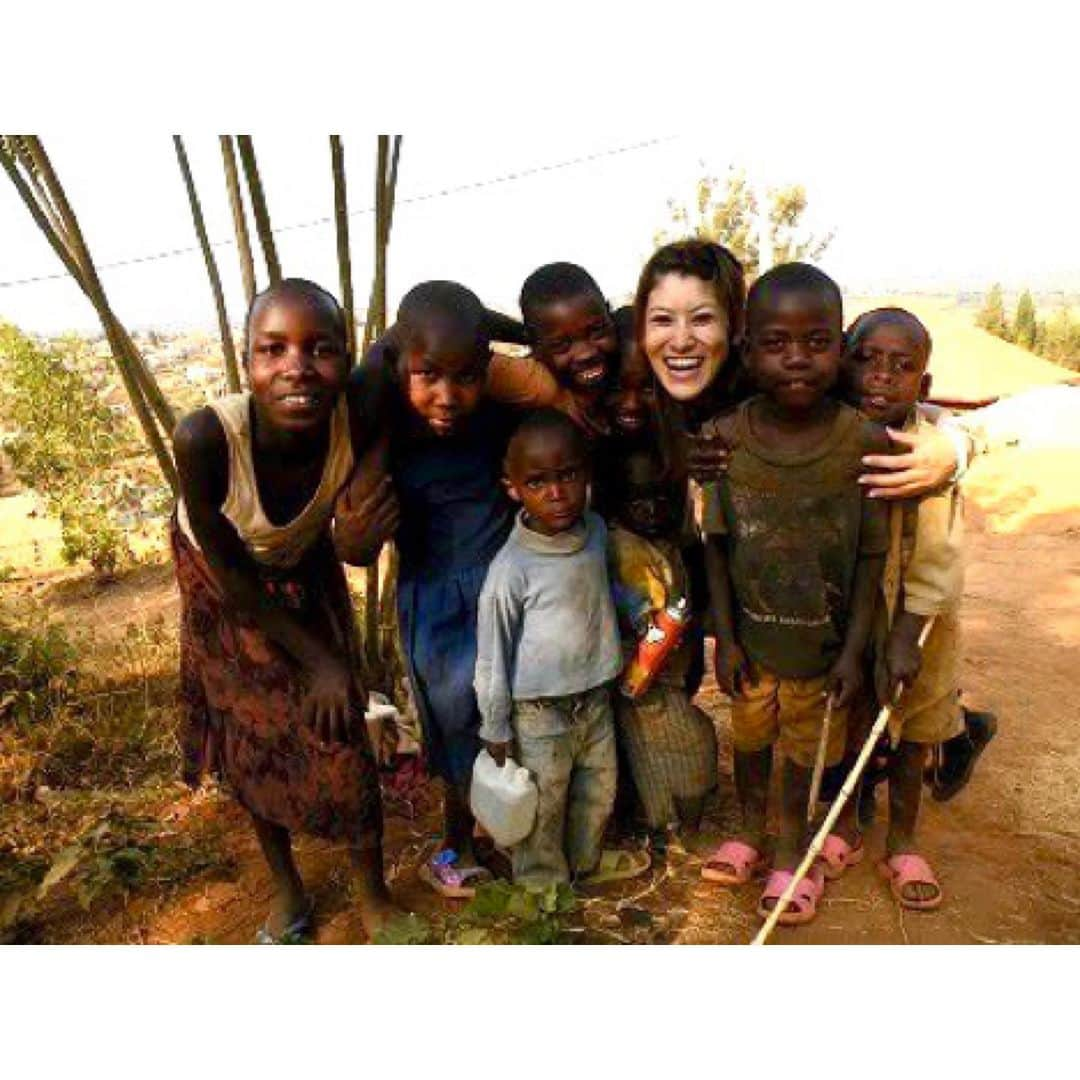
(289,900)
(638,726)
(690,810)
(544,747)
(592,783)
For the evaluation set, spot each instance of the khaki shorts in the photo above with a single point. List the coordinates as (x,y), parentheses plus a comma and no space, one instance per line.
(930,711)
(788,711)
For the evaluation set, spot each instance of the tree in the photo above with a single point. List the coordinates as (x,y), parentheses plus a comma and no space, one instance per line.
(70,448)
(1025,329)
(1062,343)
(991,316)
(726,211)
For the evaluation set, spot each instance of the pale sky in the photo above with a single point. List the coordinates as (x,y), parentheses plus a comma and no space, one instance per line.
(933,206)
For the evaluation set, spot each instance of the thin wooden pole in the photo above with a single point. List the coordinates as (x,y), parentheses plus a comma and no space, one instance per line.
(109,323)
(236,201)
(846,792)
(375,323)
(341,224)
(232,373)
(81,254)
(258,206)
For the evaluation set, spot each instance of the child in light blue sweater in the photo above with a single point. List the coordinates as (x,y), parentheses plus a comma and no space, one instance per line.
(548,650)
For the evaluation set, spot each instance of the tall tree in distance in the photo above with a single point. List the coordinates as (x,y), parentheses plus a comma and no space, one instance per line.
(726,210)
(1024,326)
(991,316)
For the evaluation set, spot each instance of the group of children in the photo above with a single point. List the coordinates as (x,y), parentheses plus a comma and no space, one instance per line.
(543,522)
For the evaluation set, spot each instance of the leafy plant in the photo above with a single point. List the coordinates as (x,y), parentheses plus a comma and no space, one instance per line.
(70,447)
(36,667)
(499,914)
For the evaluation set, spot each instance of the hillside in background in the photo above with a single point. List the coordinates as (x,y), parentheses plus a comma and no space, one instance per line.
(967,362)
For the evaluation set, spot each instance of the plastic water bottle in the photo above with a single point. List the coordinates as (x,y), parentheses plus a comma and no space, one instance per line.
(663,637)
(503,799)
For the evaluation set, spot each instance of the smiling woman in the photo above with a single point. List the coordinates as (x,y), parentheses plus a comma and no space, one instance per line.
(690,316)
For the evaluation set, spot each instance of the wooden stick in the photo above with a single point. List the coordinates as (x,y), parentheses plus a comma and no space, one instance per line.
(232,372)
(846,792)
(236,202)
(341,223)
(258,207)
(819,760)
(81,254)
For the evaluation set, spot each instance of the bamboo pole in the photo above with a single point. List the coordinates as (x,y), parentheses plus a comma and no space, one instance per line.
(236,201)
(232,373)
(258,207)
(341,224)
(57,241)
(846,792)
(23,154)
(73,237)
(375,323)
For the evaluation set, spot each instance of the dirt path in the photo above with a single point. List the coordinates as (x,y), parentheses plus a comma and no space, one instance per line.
(1007,849)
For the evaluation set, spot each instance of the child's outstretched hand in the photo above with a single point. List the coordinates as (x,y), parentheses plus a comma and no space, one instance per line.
(498,751)
(733,670)
(844,680)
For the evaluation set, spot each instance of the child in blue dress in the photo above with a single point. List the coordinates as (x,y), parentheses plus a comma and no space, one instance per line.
(446,446)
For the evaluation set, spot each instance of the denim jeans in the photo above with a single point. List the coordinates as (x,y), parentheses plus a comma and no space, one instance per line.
(568,744)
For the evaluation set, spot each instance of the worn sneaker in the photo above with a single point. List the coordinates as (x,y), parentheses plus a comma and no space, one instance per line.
(957,756)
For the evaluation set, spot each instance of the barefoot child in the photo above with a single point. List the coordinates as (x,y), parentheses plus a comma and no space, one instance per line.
(795,554)
(445,457)
(268,681)
(888,352)
(670,744)
(548,651)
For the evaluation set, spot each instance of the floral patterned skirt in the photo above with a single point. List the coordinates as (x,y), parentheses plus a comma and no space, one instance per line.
(241,696)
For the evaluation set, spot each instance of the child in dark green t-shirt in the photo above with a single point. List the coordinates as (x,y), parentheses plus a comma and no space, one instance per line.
(794,553)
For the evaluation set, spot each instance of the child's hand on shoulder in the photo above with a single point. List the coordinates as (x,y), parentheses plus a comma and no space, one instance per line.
(845,679)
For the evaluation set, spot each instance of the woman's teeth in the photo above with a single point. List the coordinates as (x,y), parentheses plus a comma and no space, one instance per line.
(306,400)
(684,363)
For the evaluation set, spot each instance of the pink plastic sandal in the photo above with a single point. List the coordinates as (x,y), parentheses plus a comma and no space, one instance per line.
(838,855)
(732,863)
(903,870)
(803,904)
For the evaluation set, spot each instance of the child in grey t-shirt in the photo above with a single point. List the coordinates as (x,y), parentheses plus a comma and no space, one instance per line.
(548,649)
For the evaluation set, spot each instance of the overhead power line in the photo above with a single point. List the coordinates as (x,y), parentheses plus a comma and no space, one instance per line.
(472,185)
